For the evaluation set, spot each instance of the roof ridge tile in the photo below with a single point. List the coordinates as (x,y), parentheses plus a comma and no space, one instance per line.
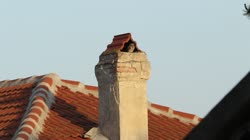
(186,118)
(119,42)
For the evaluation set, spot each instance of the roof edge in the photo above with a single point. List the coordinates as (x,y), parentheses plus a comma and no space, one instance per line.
(21,81)
(166,111)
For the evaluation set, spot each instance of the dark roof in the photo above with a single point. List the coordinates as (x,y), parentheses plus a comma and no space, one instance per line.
(229,119)
(47,107)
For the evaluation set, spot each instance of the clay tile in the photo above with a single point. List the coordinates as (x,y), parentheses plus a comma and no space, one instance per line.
(71,82)
(120,43)
(186,115)
(26,129)
(23,136)
(91,87)
(163,108)
(48,80)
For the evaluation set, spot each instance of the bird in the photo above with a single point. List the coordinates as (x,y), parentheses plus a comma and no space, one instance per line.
(131,47)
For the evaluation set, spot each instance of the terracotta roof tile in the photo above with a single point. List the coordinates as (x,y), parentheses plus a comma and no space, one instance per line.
(91,87)
(71,82)
(164,108)
(13,103)
(50,108)
(186,115)
(119,42)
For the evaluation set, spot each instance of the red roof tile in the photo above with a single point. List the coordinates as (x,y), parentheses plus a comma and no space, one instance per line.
(47,108)
(91,87)
(119,42)
(13,103)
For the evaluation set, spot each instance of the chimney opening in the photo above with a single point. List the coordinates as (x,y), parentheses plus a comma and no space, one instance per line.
(130,47)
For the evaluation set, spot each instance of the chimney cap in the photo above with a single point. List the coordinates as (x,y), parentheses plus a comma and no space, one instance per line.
(120,44)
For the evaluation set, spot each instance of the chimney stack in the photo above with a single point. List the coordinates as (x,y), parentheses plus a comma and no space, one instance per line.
(122,74)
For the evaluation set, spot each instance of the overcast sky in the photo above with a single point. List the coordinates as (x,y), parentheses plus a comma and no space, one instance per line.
(199,49)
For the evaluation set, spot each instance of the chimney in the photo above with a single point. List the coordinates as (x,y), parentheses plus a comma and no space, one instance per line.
(122,74)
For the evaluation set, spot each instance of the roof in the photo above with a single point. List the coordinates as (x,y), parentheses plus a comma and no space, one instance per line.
(48,107)
(229,119)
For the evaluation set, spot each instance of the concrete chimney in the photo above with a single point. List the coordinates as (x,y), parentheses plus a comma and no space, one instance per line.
(122,74)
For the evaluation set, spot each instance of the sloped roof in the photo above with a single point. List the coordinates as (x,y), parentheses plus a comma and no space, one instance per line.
(229,119)
(48,107)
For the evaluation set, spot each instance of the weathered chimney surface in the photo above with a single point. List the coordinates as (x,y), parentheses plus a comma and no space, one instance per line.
(122,72)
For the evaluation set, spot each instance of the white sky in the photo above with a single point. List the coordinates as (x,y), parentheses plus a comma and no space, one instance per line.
(199,49)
